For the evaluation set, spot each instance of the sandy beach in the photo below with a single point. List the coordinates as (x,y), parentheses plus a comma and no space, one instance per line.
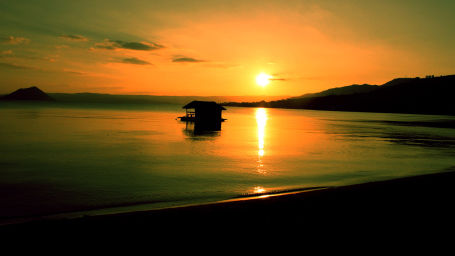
(411,203)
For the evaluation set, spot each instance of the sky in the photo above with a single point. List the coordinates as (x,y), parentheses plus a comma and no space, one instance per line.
(217,48)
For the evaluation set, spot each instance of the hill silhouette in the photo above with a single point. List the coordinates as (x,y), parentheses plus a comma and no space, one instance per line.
(431,95)
(345,90)
(31,93)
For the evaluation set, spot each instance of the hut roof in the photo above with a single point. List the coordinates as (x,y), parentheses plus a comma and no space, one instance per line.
(203,104)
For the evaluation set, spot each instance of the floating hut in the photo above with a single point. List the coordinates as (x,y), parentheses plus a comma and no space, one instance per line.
(206,111)
(205,114)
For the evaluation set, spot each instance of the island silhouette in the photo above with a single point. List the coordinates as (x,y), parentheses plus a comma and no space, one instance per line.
(31,93)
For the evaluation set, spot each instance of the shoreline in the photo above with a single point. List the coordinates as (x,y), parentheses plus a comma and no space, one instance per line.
(423,200)
(142,207)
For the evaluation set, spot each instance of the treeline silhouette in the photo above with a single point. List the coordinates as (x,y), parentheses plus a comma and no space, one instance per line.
(430,95)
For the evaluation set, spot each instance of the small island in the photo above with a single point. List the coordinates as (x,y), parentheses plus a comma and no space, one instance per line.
(31,93)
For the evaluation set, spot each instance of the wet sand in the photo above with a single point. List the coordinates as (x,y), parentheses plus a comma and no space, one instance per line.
(411,203)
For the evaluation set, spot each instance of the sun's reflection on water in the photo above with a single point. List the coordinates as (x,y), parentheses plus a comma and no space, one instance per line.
(261,120)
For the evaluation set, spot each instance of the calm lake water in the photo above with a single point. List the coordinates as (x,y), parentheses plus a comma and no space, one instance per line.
(56,159)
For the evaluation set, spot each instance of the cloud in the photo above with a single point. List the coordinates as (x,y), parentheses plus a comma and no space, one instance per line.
(109,44)
(6,53)
(76,38)
(135,61)
(14,66)
(186,59)
(62,46)
(225,65)
(74,72)
(278,77)
(14,40)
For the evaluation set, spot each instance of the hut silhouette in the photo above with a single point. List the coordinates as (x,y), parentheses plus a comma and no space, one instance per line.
(206,115)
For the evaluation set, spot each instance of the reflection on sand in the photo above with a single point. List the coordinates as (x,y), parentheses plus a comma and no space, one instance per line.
(261,120)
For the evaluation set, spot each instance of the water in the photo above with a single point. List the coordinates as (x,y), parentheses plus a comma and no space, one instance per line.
(62,159)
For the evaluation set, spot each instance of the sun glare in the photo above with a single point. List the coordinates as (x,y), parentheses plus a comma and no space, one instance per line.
(263,79)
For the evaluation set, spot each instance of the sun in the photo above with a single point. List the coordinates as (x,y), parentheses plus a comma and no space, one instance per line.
(263,79)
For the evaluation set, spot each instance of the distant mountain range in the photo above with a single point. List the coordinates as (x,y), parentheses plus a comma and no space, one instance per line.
(430,95)
(35,94)
(148,99)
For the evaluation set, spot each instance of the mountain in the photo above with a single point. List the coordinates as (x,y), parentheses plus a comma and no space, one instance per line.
(345,90)
(31,93)
(431,95)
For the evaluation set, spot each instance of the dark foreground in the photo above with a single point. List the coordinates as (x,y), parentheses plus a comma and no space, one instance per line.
(408,205)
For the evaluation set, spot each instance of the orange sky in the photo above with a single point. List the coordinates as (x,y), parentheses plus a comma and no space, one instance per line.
(218,47)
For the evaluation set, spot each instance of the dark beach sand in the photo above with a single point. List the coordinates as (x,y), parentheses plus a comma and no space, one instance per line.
(410,204)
